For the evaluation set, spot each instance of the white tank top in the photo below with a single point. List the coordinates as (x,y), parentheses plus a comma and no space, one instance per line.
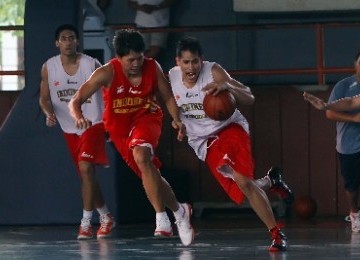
(198,126)
(158,18)
(63,86)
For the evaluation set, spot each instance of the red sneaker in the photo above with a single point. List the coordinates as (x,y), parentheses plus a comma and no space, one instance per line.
(85,230)
(107,223)
(279,240)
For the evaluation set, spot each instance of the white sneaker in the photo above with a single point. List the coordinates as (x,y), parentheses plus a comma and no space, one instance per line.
(355,221)
(185,230)
(163,228)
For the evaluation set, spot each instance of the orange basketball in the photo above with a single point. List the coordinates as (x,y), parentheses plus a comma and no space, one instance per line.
(305,207)
(219,107)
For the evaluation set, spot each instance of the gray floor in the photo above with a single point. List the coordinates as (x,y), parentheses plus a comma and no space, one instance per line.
(221,237)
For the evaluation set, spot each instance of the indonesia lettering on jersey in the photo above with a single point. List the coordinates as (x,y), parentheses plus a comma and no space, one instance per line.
(125,102)
(62,88)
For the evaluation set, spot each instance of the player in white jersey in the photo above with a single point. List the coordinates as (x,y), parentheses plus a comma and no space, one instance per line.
(61,76)
(225,146)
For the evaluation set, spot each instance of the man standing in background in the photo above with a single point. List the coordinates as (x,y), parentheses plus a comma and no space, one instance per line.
(152,14)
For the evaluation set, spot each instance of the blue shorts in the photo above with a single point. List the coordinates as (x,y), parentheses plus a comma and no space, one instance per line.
(350,170)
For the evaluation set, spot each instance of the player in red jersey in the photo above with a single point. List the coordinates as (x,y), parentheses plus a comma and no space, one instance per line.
(134,120)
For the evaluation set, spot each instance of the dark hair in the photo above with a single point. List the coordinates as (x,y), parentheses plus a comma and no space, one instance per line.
(66,27)
(127,40)
(189,44)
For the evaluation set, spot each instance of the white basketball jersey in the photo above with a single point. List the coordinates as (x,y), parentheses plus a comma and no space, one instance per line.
(62,88)
(199,127)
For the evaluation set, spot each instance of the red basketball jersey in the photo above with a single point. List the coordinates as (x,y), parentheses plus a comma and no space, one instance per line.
(124,102)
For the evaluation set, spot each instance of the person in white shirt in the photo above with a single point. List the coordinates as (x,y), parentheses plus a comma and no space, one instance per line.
(225,146)
(61,76)
(152,14)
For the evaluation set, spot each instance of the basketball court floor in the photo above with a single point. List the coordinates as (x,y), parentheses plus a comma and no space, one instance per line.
(234,236)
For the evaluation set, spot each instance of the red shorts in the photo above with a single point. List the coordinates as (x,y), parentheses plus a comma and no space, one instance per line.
(232,148)
(145,132)
(89,147)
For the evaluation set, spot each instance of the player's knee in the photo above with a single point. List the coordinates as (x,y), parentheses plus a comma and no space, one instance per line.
(87,170)
(142,156)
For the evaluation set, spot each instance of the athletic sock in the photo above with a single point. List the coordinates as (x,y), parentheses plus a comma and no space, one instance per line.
(87,214)
(180,212)
(103,210)
(264,183)
(161,215)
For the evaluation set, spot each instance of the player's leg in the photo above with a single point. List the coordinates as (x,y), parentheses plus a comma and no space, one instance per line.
(230,161)
(92,152)
(161,195)
(87,174)
(143,141)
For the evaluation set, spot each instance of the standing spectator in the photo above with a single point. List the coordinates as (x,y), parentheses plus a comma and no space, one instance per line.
(61,76)
(343,107)
(152,14)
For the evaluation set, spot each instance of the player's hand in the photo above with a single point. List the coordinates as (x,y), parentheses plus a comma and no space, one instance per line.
(83,123)
(215,88)
(153,106)
(315,101)
(181,129)
(50,120)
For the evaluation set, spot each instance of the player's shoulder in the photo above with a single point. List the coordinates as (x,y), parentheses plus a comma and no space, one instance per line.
(174,69)
(53,58)
(87,57)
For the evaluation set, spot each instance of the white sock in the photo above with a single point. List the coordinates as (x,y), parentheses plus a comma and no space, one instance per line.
(161,215)
(87,214)
(264,183)
(180,212)
(103,210)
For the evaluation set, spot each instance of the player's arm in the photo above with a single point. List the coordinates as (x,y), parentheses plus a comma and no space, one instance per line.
(223,81)
(100,77)
(169,100)
(45,99)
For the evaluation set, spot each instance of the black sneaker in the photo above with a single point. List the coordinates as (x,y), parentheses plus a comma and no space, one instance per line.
(279,240)
(279,186)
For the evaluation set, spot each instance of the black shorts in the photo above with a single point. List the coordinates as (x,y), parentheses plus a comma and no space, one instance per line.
(350,170)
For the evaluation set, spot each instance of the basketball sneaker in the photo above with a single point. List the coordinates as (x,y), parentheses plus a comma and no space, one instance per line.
(163,228)
(107,223)
(85,230)
(185,230)
(279,186)
(279,240)
(355,221)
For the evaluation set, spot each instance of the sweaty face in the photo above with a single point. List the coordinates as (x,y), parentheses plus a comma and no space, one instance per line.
(132,63)
(67,42)
(190,65)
